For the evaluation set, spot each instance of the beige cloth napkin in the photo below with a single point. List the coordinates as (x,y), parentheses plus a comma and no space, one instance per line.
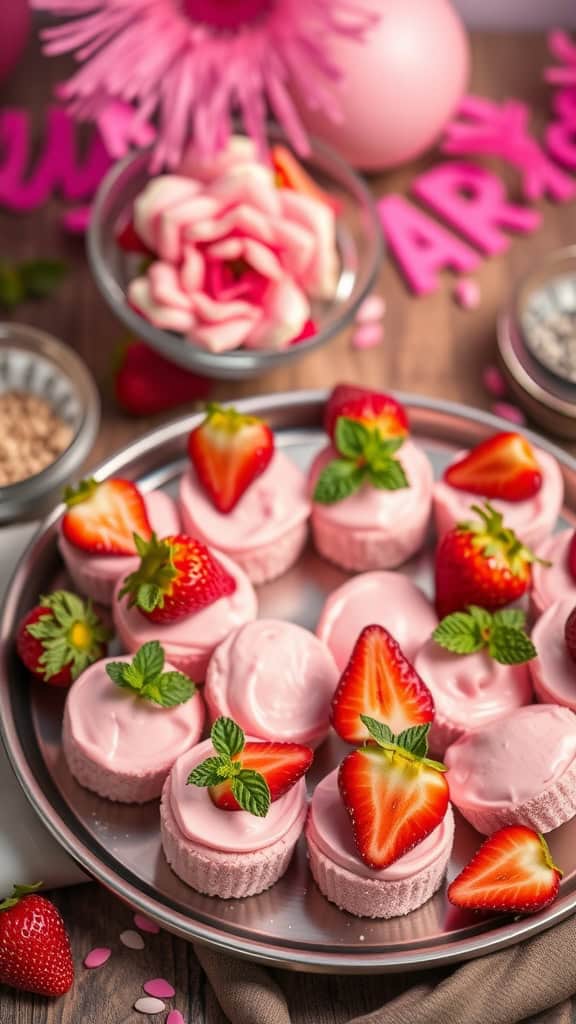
(533,981)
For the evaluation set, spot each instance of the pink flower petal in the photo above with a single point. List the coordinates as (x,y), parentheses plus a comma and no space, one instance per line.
(155,198)
(147,1004)
(192,270)
(297,246)
(222,337)
(368,335)
(131,939)
(165,317)
(318,218)
(285,310)
(97,957)
(215,311)
(373,308)
(165,286)
(173,223)
(467,293)
(494,382)
(175,1017)
(146,925)
(239,152)
(159,987)
(509,412)
(253,185)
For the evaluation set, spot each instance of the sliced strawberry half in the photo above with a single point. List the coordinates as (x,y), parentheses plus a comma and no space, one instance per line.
(394,800)
(281,764)
(504,466)
(379,681)
(102,518)
(512,871)
(229,451)
(374,409)
(289,173)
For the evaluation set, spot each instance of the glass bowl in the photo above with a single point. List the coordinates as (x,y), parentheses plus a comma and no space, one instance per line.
(359,242)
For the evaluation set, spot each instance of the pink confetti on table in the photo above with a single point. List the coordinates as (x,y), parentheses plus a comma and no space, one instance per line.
(97,957)
(175,1017)
(147,1004)
(132,939)
(373,308)
(509,412)
(159,987)
(145,924)
(467,293)
(367,336)
(494,382)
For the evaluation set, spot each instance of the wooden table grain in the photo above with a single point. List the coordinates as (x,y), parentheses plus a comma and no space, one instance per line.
(432,347)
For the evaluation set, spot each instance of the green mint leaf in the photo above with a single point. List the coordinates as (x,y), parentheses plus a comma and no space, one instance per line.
(381,449)
(515,618)
(338,480)
(387,475)
(41,277)
(170,689)
(351,437)
(115,670)
(378,730)
(510,646)
(207,773)
(415,739)
(149,661)
(459,633)
(12,291)
(252,792)
(227,737)
(481,617)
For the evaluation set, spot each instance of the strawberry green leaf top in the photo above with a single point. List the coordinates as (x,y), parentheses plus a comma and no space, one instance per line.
(61,637)
(412,741)
(501,634)
(145,675)
(365,456)
(18,891)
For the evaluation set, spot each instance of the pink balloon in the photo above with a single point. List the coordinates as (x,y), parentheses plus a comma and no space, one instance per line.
(15,22)
(400,87)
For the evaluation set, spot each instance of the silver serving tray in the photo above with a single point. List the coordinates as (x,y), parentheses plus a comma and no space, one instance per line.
(291,925)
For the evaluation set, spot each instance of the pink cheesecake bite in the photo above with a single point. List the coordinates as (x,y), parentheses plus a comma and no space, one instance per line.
(242,496)
(125,723)
(232,811)
(523,483)
(275,679)
(384,598)
(554,670)
(518,770)
(477,668)
(554,577)
(98,548)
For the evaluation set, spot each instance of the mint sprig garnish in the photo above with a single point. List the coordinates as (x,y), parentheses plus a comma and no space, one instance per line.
(364,456)
(502,634)
(34,279)
(146,676)
(248,787)
(413,740)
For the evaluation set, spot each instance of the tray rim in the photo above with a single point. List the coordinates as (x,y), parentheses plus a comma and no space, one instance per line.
(290,957)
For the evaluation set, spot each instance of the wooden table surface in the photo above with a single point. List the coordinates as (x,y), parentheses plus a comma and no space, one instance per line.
(432,347)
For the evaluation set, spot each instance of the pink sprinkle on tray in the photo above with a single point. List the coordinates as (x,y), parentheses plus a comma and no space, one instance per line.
(175,1017)
(160,988)
(494,382)
(373,308)
(146,925)
(131,939)
(367,336)
(509,412)
(97,957)
(467,293)
(147,1004)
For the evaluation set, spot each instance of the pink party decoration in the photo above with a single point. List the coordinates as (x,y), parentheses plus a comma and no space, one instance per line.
(509,412)
(467,293)
(190,65)
(491,129)
(367,336)
(563,49)
(561,142)
(15,24)
(97,957)
(373,308)
(420,246)
(494,382)
(175,1017)
(159,987)
(473,200)
(146,925)
(397,93)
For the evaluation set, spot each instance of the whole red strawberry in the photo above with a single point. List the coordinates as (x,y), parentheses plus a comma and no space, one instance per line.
(177,576)
(146,383)
(35,953)
(61,637)
(481,562)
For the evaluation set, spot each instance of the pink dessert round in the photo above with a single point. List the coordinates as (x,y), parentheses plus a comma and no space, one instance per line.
(266,531)
(189,643)
(519,770)
(551,583)
(275,679)
(97,575)
(230,854)
(533,520)
(119,745)
(469,690)
(375,529)
(553,671)
(345,880)
(381,598)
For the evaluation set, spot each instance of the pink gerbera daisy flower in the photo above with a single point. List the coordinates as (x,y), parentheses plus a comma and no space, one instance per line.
(191,65)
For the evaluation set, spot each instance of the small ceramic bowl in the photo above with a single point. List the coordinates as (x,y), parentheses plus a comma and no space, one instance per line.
(359,242)
(33,361)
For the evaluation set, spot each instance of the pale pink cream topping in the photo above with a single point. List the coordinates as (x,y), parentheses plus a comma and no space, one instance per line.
(370,508)
(330,828)
(119,730)
(513,759)
(388,599)
(551,583)
(232,831)
(274,503)
(554,671)
(275,678)
(471,689)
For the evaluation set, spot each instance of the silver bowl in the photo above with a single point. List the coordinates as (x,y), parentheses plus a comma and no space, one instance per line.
(360,249)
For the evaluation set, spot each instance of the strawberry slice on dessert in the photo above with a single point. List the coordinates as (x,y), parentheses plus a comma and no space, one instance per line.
(504,466)
(373,409)
(249,775)
(379,681)
(512,871)
(394,795)
(229,451)
(102,518)
(177,576)
(61,637)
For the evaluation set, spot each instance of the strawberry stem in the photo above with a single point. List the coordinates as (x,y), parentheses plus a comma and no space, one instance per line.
(18,893)
(153,579)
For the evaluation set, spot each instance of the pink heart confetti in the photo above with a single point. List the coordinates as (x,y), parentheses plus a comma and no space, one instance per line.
(367,336)
(147,1004)
(467,293)
(132,939)
(509,412)
(159,987)
(97,957)
(175,1017)
(145,924)
(373,308)
(494,382)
